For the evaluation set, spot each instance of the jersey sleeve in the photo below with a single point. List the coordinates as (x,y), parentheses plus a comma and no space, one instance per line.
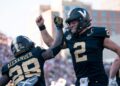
(4,69)
(40,50)
(101,32)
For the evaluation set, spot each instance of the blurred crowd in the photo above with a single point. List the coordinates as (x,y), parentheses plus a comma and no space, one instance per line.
(58,71)
(5,52)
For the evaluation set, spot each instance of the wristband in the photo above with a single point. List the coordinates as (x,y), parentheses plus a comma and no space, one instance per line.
(42,27)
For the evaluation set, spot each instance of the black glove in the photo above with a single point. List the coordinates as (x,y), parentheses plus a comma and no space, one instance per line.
(58,22)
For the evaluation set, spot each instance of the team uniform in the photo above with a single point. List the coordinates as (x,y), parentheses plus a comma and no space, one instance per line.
(118,78)
(27,69)
(86,51)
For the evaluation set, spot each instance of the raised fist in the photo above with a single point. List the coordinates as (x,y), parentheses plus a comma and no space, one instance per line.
(58,21)
(40,21)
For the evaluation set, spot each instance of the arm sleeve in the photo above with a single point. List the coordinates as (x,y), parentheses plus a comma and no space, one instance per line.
(57,49)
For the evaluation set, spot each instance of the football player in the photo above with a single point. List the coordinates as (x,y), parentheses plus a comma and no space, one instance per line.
(86,44)
(114,77)
(27,67)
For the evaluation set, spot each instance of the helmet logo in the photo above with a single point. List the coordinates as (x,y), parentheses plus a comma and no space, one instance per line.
(68,15)
(16,45)
(83,13)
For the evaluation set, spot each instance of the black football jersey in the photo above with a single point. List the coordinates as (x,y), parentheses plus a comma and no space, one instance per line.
(118,77)
(26,66)
(86,51)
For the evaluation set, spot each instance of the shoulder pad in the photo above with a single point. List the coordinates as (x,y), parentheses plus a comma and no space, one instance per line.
(40,49)
(100,32)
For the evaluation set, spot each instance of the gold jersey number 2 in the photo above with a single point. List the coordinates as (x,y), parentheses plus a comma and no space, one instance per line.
(24,70)
(81,50)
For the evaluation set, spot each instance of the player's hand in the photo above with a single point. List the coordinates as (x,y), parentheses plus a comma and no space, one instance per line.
(10,83)
(40,21)
(58,21)
(112,82)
